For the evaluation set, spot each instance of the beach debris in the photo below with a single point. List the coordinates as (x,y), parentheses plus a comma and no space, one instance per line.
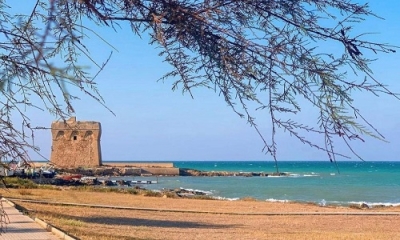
(362,205)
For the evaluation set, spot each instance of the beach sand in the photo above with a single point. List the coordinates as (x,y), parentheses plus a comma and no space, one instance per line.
(168,218)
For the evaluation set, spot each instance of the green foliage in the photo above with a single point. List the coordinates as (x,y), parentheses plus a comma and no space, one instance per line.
(170,194)
(16,182)
(132,191)
(47,186)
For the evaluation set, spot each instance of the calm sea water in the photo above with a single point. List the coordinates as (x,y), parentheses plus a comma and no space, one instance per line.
(374,183)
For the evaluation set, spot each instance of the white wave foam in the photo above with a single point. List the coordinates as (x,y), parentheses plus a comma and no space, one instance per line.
(311,175)
(197,190)
(228,199)
(294,175)
(376,204)
(360,203)
(300,175)
(276,200)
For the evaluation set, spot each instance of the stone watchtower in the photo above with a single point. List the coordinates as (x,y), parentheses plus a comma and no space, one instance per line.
(76,144)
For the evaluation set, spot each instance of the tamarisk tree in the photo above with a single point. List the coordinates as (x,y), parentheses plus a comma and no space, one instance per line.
(261,56)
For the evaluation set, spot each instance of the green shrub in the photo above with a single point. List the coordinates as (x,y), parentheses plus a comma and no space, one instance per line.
(16,182)
(132,191)
(47,186)
(149,193)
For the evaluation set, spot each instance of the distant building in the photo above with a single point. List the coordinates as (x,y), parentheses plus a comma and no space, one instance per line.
(76,144)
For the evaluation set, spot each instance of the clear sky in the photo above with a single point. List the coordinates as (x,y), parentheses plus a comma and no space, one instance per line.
(154,123)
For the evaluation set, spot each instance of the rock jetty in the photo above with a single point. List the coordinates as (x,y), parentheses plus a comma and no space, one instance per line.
(104,176)
(123,171)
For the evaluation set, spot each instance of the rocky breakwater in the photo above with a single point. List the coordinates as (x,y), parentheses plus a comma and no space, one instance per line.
(121,171)
(103,175)
(198,173)
(102,171)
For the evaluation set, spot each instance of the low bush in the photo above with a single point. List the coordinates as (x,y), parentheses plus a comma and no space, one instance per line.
(16,182)
(149,193)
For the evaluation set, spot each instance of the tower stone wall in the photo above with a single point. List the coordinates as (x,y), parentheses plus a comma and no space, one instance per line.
(76,143)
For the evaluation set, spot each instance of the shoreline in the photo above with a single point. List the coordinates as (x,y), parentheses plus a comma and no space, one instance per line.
(257,182)
(182,193)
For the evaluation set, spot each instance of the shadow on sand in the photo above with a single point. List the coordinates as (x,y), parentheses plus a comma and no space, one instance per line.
(132,221)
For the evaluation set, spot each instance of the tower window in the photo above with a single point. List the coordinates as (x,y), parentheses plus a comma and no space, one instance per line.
(74,135)
(88,135)
(60,134)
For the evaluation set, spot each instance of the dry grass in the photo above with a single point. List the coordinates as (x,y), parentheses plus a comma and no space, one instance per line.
(248,199)
(72,222)
(24,192)
(109,224)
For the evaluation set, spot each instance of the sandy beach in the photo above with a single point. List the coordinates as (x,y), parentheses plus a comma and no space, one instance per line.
(126,216)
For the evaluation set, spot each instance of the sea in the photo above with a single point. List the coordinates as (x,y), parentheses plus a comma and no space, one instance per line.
(320,182)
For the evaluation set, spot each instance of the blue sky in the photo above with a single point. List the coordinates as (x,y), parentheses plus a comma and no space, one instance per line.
(154,123)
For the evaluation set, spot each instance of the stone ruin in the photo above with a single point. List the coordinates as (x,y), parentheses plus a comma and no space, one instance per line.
(76,144)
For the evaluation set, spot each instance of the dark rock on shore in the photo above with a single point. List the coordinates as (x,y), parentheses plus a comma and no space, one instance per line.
(360,206)
(184,193)
(58,181)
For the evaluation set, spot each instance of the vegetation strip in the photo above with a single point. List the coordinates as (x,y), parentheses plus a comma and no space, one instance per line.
(208,212)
